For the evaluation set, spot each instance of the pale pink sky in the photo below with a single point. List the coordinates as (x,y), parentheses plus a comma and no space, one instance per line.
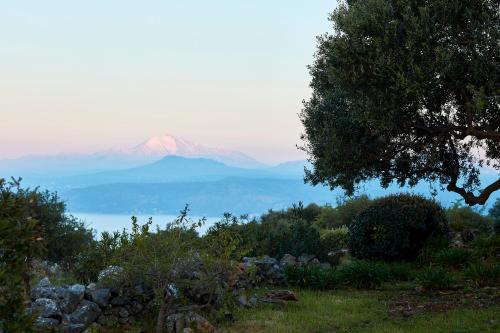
(87,76)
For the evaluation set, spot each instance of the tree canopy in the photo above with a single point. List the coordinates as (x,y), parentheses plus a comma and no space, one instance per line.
(407,90)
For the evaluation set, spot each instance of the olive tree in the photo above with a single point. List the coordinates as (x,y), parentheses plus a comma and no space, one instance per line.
(407,90)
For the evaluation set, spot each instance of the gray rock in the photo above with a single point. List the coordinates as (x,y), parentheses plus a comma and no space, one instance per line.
(100,296)
(72,328)
(288,260)
(242,301)
(119,301)
(123,313)
(112,276)
(86,313)
(46,324)
(253,301)
(304,259)
(72,297)
(176,323)
(43,289)
(46,308)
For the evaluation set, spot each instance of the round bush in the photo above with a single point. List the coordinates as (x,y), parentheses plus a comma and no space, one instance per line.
(396,227)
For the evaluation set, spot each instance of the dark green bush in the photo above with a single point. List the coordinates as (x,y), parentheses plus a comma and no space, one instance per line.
(465,220)
(435,278)
(483,273)
(396,227)
(432,246)
(314,277)
(343,214)
(399,271)
(363,274)
(453,257)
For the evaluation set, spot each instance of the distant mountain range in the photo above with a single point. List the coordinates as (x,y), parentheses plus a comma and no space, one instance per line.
(151,150)
(162,174)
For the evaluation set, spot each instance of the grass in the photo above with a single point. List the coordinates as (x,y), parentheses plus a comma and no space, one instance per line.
(357,311)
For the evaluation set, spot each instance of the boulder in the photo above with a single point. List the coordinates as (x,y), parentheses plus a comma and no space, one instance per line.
(110,277)
(108,320)
(43,289)
(100,296)
(46,308)
(73,295)
(288,260)
(46,324)
(178,322)
(305,259)
(86,313)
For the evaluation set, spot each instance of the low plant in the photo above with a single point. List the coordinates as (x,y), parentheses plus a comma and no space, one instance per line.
(453,257)
(435,278)
(483,273)
(487,247)
(312,276)
(400,271)
(363,274)
(431,247)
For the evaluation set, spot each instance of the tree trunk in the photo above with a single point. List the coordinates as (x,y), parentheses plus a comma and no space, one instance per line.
(160,321)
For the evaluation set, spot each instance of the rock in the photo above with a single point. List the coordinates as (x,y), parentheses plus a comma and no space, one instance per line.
(100,296)
(176,323)
(252,302)
(267,261)
(280,296)
(46,324)
(43,289)
(123,313)
(242,301)
(288,260)
(304,259)
(123,320)
(73,295)
(72,328)
(112,276)
(46,308)
(86,313)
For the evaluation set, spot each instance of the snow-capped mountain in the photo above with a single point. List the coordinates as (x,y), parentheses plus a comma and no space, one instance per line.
(149,151)
(166,145)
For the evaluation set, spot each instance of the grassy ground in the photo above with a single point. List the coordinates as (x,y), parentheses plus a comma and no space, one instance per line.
(359,311)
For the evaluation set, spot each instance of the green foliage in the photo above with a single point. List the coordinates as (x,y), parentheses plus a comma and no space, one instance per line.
(334,239)
(396,227)
(464,219)
(494,214)
(224,241)
(343,214)
(397,88)
(483,273)
(364,274)
(453,257)
(435,278)
(312,276)
(487,247)
(280,232)
(20,241)
(431,246)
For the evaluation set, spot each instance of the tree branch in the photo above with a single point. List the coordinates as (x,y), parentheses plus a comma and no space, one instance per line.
(469,197)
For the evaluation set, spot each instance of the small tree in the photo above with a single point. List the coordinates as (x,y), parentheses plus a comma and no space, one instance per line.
(404,91)
(495,215)
(158,258)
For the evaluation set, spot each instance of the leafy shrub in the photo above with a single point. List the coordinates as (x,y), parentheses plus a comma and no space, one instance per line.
(431,246)
(396,227)
(20,241)
(363,274)
(453,257)
(343,214)
(334,239)
(435,278)
(494,214)
(464,219)
(483,273)
(487,247)
(399,271)
(313,276)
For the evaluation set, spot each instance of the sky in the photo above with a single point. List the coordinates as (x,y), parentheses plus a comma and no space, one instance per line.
(83,76)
